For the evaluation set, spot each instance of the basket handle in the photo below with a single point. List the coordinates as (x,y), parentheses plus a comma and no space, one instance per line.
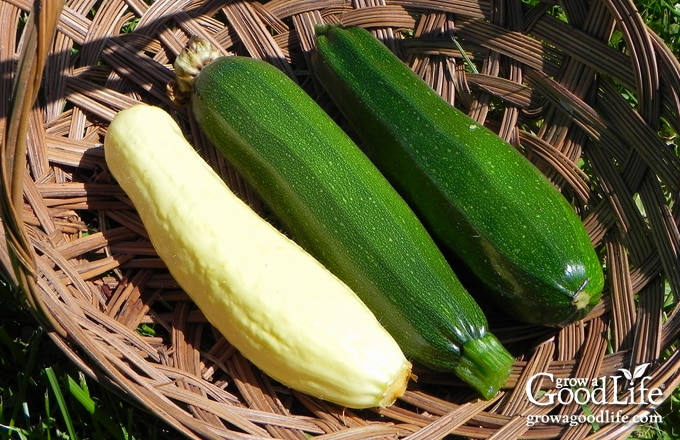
(38,35)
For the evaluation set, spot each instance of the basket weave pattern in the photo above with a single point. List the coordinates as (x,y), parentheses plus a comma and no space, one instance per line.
(550,83)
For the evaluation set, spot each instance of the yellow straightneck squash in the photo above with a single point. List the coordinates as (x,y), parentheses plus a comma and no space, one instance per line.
(275,303)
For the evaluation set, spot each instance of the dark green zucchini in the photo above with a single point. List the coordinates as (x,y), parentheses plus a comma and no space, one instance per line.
(339,207)
(476,194)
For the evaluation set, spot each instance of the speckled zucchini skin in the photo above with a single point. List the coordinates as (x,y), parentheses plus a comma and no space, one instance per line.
(476,193)
(339,207)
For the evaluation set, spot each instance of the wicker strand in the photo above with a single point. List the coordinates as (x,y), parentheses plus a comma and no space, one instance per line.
(37,39)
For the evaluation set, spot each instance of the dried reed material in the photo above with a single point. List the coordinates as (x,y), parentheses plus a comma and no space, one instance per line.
(72,241)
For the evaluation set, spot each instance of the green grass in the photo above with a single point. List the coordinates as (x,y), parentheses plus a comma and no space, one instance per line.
(44,396)
(663,17)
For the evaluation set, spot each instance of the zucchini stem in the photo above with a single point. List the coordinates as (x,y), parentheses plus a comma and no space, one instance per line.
(485,365)
(197,54)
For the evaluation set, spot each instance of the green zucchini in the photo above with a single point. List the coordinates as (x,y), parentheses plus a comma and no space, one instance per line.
(478,196)
(273,301)
(340,208)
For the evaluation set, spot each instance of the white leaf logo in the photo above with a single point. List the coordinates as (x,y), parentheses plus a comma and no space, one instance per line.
(638,372)
(627,374)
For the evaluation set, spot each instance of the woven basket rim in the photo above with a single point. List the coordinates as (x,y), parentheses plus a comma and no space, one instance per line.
(551,86)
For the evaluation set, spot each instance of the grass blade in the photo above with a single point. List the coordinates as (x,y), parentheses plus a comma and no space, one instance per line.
(61,402)
(82,395)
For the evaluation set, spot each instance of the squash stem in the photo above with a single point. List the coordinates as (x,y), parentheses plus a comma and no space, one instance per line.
(197,54)
(484,365)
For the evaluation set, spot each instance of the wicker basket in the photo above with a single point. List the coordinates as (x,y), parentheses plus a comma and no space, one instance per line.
(548,78)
